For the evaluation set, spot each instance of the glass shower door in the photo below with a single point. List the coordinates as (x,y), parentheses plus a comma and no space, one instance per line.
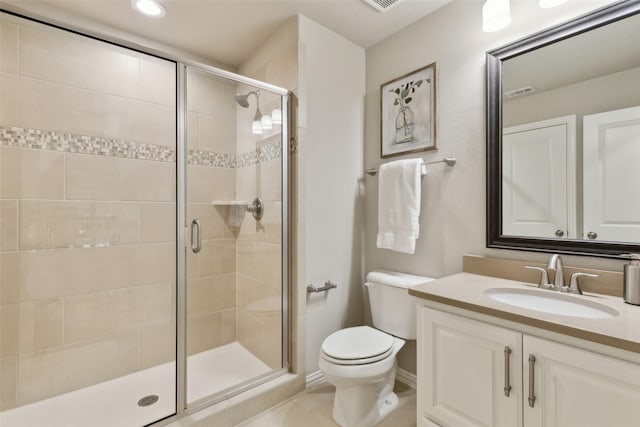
(89,263)
(87,231)
(234,219)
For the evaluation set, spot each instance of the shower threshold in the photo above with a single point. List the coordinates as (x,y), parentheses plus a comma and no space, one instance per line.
(115,402)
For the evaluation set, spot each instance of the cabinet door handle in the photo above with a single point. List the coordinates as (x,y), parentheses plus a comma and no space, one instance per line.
(507,382)
(532,388)
(196,236)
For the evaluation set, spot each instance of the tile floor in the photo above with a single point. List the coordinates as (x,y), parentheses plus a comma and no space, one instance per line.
(313,408)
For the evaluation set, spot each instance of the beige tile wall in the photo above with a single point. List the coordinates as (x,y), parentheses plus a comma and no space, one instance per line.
(234,285)
(31,275)
(75,84)
(259,281)
(259,243)
(8,225)
(31,174)
(259,288)
(211,282)
(259,285)
(8,46)
(140,121)
(210,184)
(211,113)
(50,106)
(112,178)
(73,224)
(8,383)
(87,243)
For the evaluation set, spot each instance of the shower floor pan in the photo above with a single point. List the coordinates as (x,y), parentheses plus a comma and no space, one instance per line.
(115,402)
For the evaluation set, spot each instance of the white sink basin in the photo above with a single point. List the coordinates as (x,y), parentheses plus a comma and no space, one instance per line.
(552,302)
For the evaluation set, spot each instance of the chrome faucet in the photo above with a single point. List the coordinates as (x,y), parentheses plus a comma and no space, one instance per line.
(555,264)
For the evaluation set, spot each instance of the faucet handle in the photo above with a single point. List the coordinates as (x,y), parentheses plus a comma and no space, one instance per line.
(574,284)
(544,277)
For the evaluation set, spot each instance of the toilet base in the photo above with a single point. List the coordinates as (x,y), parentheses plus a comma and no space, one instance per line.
(364,393)
(365,405)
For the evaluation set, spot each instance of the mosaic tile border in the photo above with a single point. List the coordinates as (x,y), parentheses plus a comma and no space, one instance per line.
(260,155)
(211,159)
(17,137)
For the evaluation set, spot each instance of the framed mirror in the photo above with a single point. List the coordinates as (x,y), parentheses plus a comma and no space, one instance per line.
(563,137)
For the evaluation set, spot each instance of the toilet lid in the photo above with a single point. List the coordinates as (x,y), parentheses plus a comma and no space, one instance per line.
(356,344)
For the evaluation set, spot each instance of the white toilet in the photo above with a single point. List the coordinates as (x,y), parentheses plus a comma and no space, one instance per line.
(361,361)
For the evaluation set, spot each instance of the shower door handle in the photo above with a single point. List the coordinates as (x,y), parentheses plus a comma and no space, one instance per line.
(196,236)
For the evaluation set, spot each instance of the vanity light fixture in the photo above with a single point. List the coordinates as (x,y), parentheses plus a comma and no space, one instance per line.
(260,122)
(496,14)
(546,4)
(152,8)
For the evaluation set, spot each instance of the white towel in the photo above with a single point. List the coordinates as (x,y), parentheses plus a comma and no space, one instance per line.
(399,205)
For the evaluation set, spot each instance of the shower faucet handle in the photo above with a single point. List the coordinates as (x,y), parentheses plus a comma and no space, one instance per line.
(256,208)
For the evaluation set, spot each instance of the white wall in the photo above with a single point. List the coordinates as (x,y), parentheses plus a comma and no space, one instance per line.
(453,204)
(332,73)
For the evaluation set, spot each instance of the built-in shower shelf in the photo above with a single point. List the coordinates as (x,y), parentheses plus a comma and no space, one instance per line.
(238,208)
(233,211)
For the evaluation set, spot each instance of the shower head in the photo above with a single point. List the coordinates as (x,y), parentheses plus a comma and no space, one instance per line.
(243,100)
(259,121)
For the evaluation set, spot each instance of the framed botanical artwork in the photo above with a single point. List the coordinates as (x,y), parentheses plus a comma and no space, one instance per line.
(408,113)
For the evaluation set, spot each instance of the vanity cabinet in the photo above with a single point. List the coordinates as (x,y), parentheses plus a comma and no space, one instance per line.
(465,369)
(578,388)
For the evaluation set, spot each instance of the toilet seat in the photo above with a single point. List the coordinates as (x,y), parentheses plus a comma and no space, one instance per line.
(357,346)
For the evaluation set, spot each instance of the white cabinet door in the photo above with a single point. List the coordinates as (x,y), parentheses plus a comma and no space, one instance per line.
(611,174)
(461,372)
(538,179)
(578,388)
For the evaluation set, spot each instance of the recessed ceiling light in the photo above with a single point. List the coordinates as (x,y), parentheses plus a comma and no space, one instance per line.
(149,8)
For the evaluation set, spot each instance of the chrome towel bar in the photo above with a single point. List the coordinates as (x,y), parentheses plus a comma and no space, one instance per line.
(327,285)
(450,161)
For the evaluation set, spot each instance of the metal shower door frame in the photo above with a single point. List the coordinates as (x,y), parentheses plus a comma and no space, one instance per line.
(183,230)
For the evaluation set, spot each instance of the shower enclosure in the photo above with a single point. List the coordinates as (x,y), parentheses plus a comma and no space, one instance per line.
(143,231)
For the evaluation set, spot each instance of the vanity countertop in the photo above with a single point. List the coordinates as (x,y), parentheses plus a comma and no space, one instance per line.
(467,291)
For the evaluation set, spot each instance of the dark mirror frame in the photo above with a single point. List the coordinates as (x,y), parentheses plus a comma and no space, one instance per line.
(495,238)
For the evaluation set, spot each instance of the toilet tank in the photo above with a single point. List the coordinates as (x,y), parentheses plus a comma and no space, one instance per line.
(393,310)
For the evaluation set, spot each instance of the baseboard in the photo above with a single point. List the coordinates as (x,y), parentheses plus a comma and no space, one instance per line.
(406,377)
(315,379)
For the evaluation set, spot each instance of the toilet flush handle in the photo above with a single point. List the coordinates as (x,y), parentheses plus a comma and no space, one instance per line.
(368,284)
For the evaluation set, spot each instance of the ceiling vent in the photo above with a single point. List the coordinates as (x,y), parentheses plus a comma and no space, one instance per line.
(519,92)
(382,5)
